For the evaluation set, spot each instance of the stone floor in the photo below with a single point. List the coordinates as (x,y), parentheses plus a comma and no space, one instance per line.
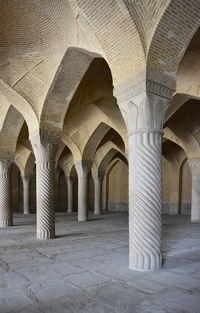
(85,268)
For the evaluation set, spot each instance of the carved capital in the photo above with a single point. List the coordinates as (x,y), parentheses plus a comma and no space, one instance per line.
(145,113)
(6,159)
(97,177)
(194,165)
(71,179)
(7,155)
(5,166)
(159,90)
(26,178)
(83,168)
(45,145)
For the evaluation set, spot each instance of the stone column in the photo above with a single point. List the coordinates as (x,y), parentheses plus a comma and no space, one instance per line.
(5,193)
(45,146)
(194,165)
(57,184)
(144,118)
(97,193)
(83,170)
(26,193)
(70,186)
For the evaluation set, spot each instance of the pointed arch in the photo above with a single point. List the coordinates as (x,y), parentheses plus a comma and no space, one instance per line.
(10,130)
(70,72)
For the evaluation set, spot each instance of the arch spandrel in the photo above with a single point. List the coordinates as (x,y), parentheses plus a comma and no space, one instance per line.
(10,130)
(169,42)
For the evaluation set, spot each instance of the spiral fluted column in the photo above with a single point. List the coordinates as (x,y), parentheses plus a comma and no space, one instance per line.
(83,170)
(45,146)
(5,193)
(97,194)
(145,200)
(194,165)
(144,119)
(70,186)
(26,193)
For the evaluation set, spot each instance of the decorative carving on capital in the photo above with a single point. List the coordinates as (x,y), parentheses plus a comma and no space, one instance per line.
(83,168)
(159,90)
(5,166)
(45,145)
(7,155)
(47,136)
(146,113)
(194,165)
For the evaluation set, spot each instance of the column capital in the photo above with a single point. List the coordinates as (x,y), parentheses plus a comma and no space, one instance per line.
(6,158)
(194,165)
(97,177)
(145,113)
(57,172)
(139,85)
(26,178)
(45,145)
(157,89)
(70,178)
(83,167)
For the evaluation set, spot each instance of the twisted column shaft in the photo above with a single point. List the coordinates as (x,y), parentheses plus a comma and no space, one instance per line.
(97,194)
(144,116)
(195,205)
(5,193)
(145,201)
(83,170)
(26,193)
(45,200)
(45,147)
(70,183)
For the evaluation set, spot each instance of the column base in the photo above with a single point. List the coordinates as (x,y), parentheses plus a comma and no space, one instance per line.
(195,219)
(145,263)
(82,219)
(97,213)
(5,223)
(26,213)
(45,234)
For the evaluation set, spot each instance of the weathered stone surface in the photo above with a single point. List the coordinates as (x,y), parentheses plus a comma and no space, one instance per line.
(64,277)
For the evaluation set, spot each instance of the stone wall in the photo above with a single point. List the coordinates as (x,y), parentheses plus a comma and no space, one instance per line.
(115,187)
(176,189)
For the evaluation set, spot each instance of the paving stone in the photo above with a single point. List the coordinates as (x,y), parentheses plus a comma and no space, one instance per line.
(87,279)
(77,274)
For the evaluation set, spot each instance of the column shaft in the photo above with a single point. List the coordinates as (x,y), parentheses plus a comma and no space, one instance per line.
(70,195)
(82,199)
(83,169)
(145,201)
(45,147)
(144,116)
(195,207)
(5,192)
(26,194)
(194,165)
(57,184)
(45,200)
(97,194)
